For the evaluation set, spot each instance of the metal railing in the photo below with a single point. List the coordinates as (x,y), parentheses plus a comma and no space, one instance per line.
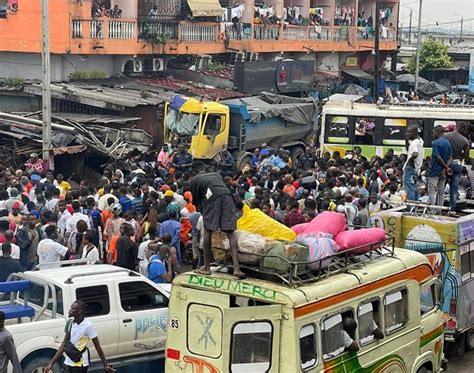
(266,32)
(77,28)
(96,28)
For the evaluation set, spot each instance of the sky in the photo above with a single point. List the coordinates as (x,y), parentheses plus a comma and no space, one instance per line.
(439,11)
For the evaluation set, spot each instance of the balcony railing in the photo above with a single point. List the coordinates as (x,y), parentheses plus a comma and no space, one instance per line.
(194,32)
(99,28)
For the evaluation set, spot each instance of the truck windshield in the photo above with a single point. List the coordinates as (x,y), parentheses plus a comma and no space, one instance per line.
(182,123)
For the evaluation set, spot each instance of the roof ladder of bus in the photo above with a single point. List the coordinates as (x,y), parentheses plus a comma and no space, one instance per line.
(421,107)
(299,273)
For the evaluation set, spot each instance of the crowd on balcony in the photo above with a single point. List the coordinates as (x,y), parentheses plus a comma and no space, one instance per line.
(100,9)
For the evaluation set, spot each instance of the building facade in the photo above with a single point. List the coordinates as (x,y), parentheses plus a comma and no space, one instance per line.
(85,40)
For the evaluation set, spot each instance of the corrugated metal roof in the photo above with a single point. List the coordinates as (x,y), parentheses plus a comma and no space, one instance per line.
(463,47)
(103,93)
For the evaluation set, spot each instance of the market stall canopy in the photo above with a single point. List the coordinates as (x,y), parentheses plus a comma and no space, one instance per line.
(433,89)
(359,74)
(410,78)
(205,8)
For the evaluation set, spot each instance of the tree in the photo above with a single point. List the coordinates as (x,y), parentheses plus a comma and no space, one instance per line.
(433,54)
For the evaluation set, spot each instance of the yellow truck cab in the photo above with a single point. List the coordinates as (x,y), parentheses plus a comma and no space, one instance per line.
(297,323)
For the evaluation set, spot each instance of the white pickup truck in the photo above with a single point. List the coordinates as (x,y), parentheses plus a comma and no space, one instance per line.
(129,312)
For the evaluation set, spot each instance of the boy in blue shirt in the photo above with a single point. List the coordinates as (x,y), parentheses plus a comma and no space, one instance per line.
(160,267)
(441,158)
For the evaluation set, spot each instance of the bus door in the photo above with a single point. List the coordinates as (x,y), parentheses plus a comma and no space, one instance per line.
(251,339)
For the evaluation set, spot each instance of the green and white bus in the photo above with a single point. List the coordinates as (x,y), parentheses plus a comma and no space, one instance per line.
(377,128)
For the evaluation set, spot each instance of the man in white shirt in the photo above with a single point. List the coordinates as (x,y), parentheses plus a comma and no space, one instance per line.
(143,251)
(76,216)
(64,216)
(412,167)
(79,332)
(49,251)
(15,248)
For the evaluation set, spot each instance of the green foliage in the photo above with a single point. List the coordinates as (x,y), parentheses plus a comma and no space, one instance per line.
(154,39)
(14,82)
(145,94)
(215,66)
(433,55)
(81,75)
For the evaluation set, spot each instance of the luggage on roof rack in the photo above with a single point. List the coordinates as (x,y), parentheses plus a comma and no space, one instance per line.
(300,272)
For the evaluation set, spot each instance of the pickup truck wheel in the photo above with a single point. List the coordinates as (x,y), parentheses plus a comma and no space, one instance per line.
(37,365)
(470,339)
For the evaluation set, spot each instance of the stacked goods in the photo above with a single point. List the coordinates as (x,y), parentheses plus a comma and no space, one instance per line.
(321,245)
(255,221)
(219,246)
(326,222)
(288,251)
(248,244)
(363,239)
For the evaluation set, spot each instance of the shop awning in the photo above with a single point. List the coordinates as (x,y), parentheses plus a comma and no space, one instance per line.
(359,74)
(205,8)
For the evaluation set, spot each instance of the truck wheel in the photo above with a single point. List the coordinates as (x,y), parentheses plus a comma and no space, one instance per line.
(37,365)
(296,153)
(244,160)
(470,339)
(458,347)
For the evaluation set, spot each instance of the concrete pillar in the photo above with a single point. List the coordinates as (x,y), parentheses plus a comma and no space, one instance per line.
(249,10)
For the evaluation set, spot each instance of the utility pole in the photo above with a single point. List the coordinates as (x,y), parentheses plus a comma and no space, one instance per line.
(377,51)
(418,44)
(46,86)
(460,33)
(409,29)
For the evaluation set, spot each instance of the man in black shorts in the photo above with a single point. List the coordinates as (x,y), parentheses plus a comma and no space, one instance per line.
(217,206)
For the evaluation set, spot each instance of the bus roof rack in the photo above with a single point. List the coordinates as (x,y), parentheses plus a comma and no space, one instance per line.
(298,273)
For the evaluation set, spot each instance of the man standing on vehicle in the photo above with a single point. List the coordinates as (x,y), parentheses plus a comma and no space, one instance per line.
(217,206)
(412,167)
(78,332)
(461,147)
(440,161)
(7,349)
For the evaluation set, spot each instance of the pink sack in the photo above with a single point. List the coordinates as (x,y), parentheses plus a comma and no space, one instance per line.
(361,238)
(299,228)
(327,222)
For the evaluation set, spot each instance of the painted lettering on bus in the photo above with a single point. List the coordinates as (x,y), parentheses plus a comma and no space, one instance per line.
(241,287)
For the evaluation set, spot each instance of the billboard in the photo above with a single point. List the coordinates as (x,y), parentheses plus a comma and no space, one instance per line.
(274,76)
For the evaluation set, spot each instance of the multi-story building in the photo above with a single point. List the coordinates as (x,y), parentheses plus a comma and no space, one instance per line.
(337,34)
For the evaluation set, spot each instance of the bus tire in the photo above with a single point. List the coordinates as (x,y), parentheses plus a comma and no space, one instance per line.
(423,369)
(470,339)
(458,347)
(38,364)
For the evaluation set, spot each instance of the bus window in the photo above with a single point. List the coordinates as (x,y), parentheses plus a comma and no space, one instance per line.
(335,339)
(337,129)
(396,310)
(308,346)
(251,347)
(394,131)
(368,322)
(364,131)
(427,298)
(446,124)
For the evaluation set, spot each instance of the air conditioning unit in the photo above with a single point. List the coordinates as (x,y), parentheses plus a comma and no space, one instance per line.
(158,64)
(137,66)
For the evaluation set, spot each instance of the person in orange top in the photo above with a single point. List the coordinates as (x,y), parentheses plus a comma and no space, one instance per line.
(289,187)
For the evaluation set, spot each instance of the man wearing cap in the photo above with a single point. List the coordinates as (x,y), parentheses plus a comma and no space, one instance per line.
(34,164)
(15,216)
(182,160)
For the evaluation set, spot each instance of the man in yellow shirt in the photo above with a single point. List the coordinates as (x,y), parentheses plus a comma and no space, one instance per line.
(63,184)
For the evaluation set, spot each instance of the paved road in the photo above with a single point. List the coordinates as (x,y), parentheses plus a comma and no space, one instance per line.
(462,365)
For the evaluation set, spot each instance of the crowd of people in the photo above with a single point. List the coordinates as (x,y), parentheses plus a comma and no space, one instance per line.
(100,9)
(149,220)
